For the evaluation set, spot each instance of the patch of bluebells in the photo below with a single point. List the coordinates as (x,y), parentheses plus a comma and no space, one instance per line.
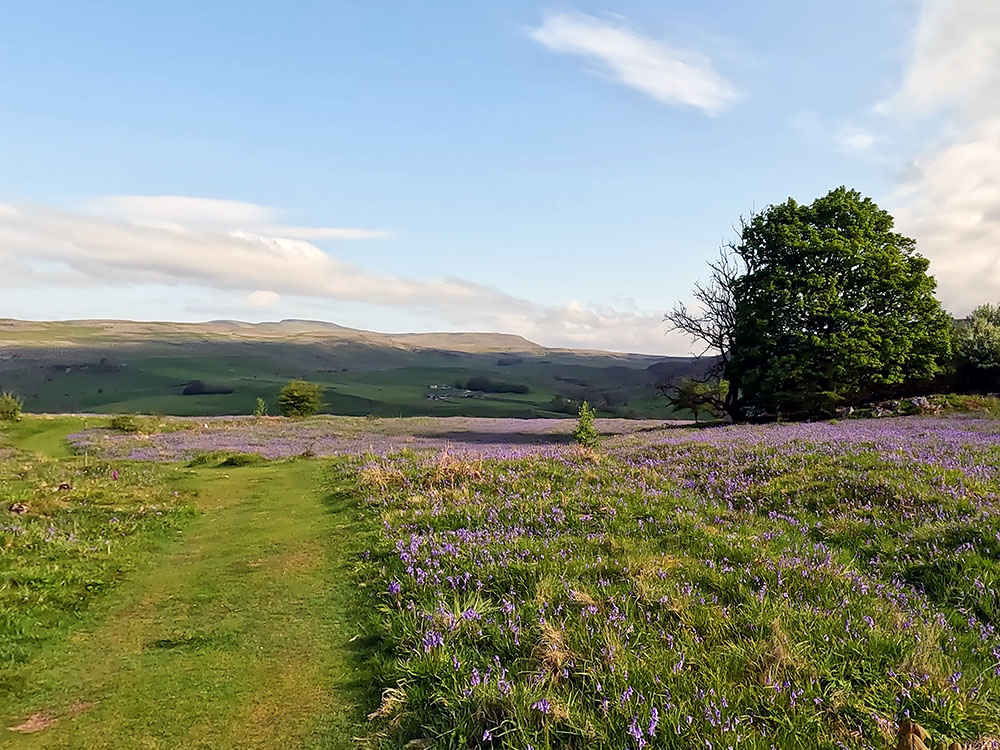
(736,587)
(184,439)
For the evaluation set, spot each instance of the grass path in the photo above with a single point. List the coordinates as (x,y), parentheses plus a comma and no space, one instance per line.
(45,434)
(240,635)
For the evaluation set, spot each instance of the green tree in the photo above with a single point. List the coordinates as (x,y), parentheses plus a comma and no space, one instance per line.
(977,348)
(834,307)
(10,407)
(977,338)
(300,399)
(696,396)
(586,431)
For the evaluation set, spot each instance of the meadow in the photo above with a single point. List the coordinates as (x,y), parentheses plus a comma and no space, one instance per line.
(777,586)
(780,586)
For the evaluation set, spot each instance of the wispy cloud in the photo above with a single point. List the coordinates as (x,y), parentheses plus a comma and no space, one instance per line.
(183,209)
(666,73)
(187,242)
(177,211)
(854,140)
(949,198)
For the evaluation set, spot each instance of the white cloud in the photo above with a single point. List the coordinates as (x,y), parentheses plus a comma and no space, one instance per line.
(949,198)
(179,211)
(666,73)
(89,250)
(854,140)
(323,233)
(183,209)
(954,55)
(263,298)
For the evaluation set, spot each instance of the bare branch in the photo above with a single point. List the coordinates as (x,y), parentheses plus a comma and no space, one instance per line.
(711,326)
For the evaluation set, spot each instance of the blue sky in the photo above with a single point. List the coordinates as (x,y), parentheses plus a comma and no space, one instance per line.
(558,171)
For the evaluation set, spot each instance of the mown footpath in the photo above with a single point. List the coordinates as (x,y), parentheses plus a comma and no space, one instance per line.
(169,606)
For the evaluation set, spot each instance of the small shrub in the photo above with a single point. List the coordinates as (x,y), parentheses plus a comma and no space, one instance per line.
(10,407)
(243,459)
(125,423)
(260,410)
(207,459)
(300,399)
(586,433)
(219,459)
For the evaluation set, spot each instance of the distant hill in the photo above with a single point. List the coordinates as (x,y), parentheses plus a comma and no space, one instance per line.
(128,366)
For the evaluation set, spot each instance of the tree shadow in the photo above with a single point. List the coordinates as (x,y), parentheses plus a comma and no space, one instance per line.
(500,438)
(675,425)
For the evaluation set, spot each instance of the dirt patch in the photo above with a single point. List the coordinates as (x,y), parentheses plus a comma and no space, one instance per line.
(39,721)
(36,723)
(78,707)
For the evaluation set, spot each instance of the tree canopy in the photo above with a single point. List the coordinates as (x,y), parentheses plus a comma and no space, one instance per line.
(977,346)
(299,398)
(828,306)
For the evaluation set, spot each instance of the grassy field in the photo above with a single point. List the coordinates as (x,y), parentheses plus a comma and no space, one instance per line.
(487,584)
(120,367)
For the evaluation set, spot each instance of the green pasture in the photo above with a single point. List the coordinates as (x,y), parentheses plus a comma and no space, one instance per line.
(148,376)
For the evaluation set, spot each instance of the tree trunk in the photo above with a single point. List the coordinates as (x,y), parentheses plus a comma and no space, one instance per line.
(733,407)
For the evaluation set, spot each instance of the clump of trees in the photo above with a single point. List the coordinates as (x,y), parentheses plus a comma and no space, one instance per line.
(486,385)
(299,398)
(200,388)
(510,359)
(814,307)
(977,348)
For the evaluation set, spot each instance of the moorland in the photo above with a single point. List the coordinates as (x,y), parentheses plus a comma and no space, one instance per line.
(223,367)
(757,586)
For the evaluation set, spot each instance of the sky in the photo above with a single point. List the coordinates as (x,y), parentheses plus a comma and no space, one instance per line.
(558,171)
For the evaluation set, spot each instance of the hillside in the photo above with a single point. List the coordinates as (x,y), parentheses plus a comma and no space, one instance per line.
(128,366)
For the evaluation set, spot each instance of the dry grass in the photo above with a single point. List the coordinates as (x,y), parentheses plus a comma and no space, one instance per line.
(393,699)
(583,598)
(451,471)
(552,649)
(777,657)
